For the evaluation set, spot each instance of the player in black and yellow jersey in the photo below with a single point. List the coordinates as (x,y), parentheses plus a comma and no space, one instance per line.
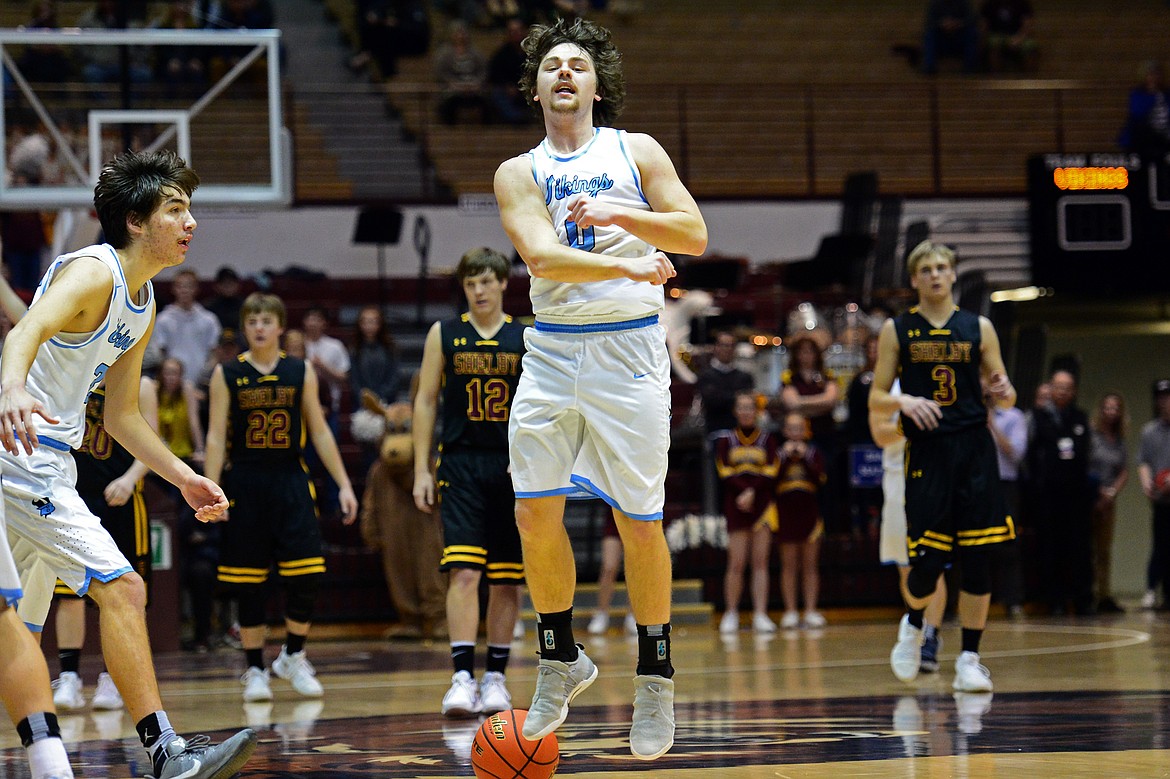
(941,354)
(263,404)
(472,362)
(109,480)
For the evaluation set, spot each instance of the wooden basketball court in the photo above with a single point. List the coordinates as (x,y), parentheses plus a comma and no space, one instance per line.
(1074,698)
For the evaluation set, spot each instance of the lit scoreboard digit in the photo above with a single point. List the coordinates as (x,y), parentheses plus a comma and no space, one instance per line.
(1091,222)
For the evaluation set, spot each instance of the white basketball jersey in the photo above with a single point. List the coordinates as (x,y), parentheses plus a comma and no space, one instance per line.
(603,168)
(70,365)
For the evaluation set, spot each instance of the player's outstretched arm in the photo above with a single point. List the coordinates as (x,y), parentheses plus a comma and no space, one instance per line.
(119,491)
(124,421)
(218,405)
(326,446)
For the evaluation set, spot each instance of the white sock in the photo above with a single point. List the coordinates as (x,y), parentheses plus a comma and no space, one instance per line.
(47,758)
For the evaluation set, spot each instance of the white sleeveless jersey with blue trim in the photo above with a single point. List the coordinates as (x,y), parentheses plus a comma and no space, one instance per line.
(70,365)
(603,168)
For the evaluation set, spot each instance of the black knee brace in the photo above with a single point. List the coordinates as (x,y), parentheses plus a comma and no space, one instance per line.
(253,601)
(975,572)
(301,596)
(924,575)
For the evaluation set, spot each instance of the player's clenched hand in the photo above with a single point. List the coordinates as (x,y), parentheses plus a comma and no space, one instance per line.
(205,496)
(588,211)
(655,268)
(923,412)
(118,491)
(349,505)
(999,386)
(424,492)
(16,420)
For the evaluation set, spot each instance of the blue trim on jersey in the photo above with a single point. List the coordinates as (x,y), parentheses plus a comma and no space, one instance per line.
(621,138)
(585,484)
(12,597)
(96,335)
(584,150)
(53,443)
(549,493)
(34,628)
(532,164)
(91,574)
(600,327)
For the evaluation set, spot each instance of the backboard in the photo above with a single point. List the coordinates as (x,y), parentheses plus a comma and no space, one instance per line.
(226,124)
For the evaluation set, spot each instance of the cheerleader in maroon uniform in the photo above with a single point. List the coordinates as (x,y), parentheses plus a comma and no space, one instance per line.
(746,460)
(800,479)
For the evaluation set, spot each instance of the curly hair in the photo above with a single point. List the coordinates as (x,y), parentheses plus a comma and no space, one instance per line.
(134,184)
(594,40)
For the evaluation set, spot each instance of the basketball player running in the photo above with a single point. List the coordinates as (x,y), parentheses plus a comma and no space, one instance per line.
(472,362)
(261,406)
(591,211)
(953,505)
(90,320)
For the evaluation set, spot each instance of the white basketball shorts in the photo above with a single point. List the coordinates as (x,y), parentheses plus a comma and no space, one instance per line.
(52,532)
(591,417)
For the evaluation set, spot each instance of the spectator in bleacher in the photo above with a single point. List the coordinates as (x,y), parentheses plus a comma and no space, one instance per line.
(504,71)
(182,68)
(719,383)
(178,416)
(45,62)
(389,29)
(1009,430)
(226,349)
(952,30)
(1059,457)
(1147,121)
(1109,471)
(185,329)
(811,390)
(226,301)
(374,378)
(329,358)
(799,480)
(1009,27)
(1153,469)
(103,64)
(747,461)
(461,73)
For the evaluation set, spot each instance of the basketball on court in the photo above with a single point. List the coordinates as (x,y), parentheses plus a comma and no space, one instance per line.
(500,752)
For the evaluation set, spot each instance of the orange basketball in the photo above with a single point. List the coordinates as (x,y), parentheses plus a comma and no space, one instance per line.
(501,752)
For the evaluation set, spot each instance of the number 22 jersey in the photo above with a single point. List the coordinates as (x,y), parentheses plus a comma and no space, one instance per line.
(264,418)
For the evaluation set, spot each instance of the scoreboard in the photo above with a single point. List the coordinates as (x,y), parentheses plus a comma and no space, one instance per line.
(1100,223)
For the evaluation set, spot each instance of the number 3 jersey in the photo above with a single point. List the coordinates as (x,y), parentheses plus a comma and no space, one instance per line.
(944,365)
(264,414)
(479,381)
(605,169)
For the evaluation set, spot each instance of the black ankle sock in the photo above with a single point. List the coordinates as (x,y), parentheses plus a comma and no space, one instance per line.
(156,733)
(70,660)
(294,643)
(35,727)
(915,617)
(497,658)
(463,658)
(555,634)
(255,658)
(654,650)
(971,639)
